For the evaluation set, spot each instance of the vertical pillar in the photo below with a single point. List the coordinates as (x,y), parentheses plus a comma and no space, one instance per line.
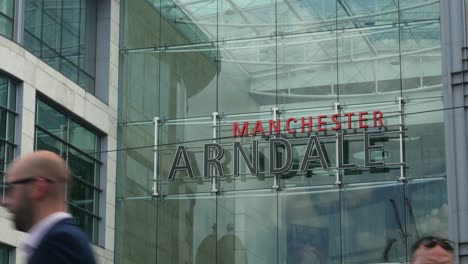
(214,182)
(275,177)
(155,156)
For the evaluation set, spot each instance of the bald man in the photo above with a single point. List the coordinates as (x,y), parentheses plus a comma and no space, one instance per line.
(36,197)
(432,250)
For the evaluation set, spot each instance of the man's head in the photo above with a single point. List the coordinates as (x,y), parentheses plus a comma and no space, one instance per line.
(36,188)
(432,250)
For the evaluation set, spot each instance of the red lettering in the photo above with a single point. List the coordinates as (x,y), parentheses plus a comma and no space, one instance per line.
(242,133)
(362,119)
(304,123)
(378,115)
(271,126)
(258,128)
(349,115)
(320,123)
(335,120)
(288,121)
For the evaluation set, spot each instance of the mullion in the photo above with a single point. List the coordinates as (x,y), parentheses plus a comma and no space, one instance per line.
(83,210)
(86,183)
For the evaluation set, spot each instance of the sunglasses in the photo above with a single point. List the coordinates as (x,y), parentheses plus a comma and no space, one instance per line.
(432,241)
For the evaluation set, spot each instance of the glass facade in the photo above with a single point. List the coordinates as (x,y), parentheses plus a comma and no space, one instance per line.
(7,126)
(7,12)
(80,146)
(63,34)
(210,69)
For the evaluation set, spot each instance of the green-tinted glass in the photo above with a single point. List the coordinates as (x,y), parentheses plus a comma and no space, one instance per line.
(52,120)
(63,34)
(81,195)
(81,166)
(82,138)
(3,92)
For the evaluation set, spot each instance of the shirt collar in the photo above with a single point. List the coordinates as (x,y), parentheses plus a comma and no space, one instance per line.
(37,232)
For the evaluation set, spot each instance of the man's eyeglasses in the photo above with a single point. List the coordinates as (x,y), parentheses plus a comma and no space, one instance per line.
(24,181)
(432,241)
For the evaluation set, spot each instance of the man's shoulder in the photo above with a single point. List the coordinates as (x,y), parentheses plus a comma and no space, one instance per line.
(67,227)
(66,242)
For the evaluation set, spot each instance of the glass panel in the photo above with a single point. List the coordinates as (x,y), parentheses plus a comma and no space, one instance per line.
(7,7)
(376,239)
(247,227)
(193,134)
(32,43)
(52,120)
(86,81)
(82,138)
(6,26)
(246,19)
(4,254)
(310,229)
(425,141)
(33,17)
(81,195)
(50,57)
(307,54)
(140,85)
(427,208)
(51,23)
(247,81)
(84,221)
(187,230)
(11,127)
(3,124)
(245,180)
(67,32)
(46,142)
(3,165)
(187,22)
(3,92)
(189,91)
(137,240)
(12,99)
(69,70)
(81,166)
(136,169)
(141,24)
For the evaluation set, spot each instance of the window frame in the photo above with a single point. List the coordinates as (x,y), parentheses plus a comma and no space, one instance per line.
(97,191)
(6,141)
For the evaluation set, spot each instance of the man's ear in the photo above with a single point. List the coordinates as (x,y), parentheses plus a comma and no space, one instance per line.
(40,188)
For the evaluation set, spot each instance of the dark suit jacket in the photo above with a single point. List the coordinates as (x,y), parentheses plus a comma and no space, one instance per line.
(64,243)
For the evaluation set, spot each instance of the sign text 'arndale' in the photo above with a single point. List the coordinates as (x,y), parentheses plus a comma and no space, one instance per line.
(214,153)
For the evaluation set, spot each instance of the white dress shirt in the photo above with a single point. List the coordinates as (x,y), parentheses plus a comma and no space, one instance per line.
(37,232)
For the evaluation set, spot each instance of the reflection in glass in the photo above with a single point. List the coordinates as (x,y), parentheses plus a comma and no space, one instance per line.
(184,224)
(247,227)
(310,231)
(63,34)
(79,146)
(374,223)
(6,18)
(183,60)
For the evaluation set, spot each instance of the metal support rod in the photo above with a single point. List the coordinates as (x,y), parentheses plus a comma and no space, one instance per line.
(214,184)
(401,106)
(338,172)
(275,178)
(155,156)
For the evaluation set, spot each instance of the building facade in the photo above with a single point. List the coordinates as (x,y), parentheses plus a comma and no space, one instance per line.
(222,131)
(286,131)
(58,92)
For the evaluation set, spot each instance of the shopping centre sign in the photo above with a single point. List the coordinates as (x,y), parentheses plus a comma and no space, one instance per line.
(276,131)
